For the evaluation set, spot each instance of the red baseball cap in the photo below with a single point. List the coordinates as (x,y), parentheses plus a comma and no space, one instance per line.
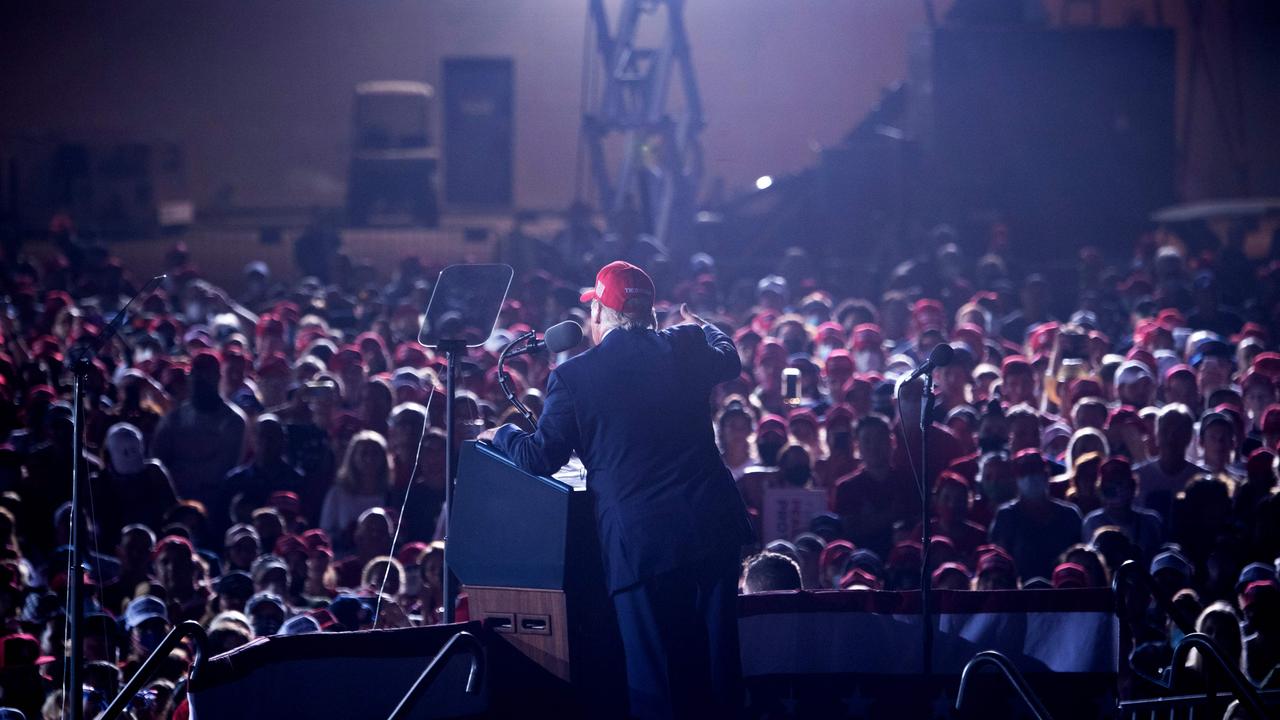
(1070,575)
(21,651)
(620,282)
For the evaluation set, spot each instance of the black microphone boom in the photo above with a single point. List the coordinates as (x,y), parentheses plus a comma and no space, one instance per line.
(939,357)
(558,338)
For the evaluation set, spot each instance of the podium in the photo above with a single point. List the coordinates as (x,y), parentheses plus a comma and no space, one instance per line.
(525,549)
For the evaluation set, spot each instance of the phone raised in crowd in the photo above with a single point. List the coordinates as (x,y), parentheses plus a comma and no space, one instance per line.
(791,386)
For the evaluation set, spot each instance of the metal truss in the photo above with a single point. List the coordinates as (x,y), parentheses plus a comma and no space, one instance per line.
(641,118)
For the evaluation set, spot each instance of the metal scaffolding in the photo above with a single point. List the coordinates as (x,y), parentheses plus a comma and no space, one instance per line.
(641,138)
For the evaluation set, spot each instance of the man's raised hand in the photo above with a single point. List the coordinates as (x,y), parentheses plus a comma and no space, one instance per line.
(687,315)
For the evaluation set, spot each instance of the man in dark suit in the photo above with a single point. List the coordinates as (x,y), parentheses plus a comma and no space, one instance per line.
(636,408)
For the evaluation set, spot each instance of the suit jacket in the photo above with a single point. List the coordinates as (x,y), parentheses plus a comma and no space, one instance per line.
(636,408)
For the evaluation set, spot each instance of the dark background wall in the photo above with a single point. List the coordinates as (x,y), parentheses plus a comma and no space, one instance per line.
(259,93)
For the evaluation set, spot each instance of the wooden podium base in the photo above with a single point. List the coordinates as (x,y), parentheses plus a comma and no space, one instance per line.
(535,622)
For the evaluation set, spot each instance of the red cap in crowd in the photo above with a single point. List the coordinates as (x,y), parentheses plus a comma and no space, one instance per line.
(1028,462)
(802,415)
(316,538)
(970,334)
(950,477)
(1250,329)
(745,334)
(349,355)
(1117,469)
(1015,364)
(1261,466)
(21,651)
(906,554)
(274,365)
(996,560)
(834,554)
(1271,420)
(1070,575)
(1145,357)
(1267,363)
(1179,370)
(929,315)
(839,359)
(771,348)
(409,354)
(1124,415)
(1083,387)
(411,554)
(1170,318)
(950,568)
(763,321)
(830,330)
(620,283)
(289,543)
(1040,340)
(867,336)
(857,577)
(172,541)
(1260,590)
(772,422)
(838,414)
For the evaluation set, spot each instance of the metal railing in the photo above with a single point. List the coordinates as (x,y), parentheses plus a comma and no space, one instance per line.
(1175,706)
(188,628)
(462,642)
(1250,698)
(1242,689)
(1019,683)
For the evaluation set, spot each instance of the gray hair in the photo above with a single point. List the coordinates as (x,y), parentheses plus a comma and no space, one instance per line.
(611,318)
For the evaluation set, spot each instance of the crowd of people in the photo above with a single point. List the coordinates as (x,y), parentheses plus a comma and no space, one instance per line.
(269,458)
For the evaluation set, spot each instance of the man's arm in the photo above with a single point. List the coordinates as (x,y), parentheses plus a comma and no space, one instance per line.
(548,448)
(720,362)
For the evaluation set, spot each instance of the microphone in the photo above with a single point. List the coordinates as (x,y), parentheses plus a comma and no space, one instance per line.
(940,356)
(83,355)
(558,338)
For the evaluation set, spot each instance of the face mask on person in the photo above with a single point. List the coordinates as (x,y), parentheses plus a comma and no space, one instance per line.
(1033,486)
(124,446)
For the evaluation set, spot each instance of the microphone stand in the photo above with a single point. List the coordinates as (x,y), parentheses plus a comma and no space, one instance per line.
(452,350)
(504,381)
(926,532)
(81,363)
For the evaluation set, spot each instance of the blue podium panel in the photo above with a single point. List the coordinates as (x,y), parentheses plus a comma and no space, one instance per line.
(513,529)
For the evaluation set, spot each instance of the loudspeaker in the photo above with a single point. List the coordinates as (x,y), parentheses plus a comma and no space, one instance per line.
(479,109)
(1068,133)
(391,179)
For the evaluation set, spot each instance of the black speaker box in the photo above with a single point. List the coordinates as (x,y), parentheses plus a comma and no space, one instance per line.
(479,106)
